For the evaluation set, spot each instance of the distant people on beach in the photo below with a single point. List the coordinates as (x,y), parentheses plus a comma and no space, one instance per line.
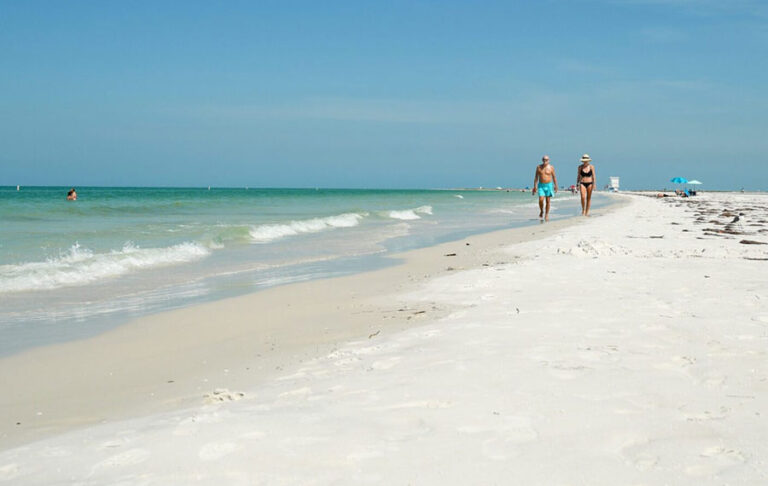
(586,179)
(545,182)
(72,195)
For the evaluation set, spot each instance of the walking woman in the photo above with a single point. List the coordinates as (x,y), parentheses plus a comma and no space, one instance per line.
(586,180)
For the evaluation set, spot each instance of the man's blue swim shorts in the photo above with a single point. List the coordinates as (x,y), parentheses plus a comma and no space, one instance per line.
(546,189)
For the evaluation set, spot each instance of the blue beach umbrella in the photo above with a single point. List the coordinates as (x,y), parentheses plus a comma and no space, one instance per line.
(679,180)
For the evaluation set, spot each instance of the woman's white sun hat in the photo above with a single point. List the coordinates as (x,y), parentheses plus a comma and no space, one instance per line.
(586,158)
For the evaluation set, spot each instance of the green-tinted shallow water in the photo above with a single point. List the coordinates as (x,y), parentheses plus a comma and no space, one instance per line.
(71,268)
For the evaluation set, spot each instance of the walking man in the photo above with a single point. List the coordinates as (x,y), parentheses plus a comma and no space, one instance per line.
(545,182)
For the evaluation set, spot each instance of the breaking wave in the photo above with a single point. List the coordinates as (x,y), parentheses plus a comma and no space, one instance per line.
(268,232)
(80,266)
(409,214)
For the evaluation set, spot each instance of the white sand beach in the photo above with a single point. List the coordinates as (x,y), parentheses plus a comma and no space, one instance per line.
(626,348)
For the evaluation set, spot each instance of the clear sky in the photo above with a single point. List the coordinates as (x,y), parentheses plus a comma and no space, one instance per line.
(382,93)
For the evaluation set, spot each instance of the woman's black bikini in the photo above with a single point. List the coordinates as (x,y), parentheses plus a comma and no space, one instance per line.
(586,174)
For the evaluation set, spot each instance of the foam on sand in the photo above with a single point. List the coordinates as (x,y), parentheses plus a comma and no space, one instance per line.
(269,232)
(80,266)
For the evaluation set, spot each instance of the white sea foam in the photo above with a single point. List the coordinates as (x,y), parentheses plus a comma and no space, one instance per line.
(80,266)
(459,196)
(268,232)
(409,214)
(510,210)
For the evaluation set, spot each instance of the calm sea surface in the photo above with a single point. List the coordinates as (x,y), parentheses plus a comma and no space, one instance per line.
(72,269)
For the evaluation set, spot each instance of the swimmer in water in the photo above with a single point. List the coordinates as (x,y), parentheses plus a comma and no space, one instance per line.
(72,195)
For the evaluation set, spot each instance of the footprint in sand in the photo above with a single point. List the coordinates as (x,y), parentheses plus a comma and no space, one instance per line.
(9,471)
(408,431)
(298,393)
(510,440)
(429,334)
(190,425)
(128,458)
(385,364)
(347,362)
(714,460)
(567,371)
(714,380)
(604,333)
(501,449)
(253,435)
(707,415)
(636,455)
(600,354)
(645,461)
(509,435)
(364,455)
(56,452)
(677,364)
(216,450)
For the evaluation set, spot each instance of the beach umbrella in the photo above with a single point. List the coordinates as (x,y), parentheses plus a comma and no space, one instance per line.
(679,180)
(694,182)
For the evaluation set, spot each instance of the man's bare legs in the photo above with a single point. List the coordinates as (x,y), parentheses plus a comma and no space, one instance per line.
(544,208)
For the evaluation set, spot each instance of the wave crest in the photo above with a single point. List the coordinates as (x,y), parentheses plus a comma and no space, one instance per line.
(268,232)
(80,266)
(409,214)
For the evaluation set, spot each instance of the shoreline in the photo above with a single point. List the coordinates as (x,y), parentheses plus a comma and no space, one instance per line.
(121,291)
(170,360)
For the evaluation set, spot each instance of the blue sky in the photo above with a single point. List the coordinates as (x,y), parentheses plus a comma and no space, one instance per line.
(382,94)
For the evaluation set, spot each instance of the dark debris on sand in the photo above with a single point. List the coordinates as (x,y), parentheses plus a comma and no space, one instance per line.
(726,222)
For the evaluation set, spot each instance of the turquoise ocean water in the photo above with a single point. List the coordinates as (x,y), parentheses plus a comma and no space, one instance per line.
(73,269)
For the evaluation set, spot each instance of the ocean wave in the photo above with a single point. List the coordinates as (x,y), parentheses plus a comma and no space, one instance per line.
(409,214)
(80,266)
(220,235)
(268,232)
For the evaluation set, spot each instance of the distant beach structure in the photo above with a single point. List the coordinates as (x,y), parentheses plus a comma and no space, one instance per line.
(614,184)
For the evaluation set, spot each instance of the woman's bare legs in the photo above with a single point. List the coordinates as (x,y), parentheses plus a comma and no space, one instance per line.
(589,198)
(583,192)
